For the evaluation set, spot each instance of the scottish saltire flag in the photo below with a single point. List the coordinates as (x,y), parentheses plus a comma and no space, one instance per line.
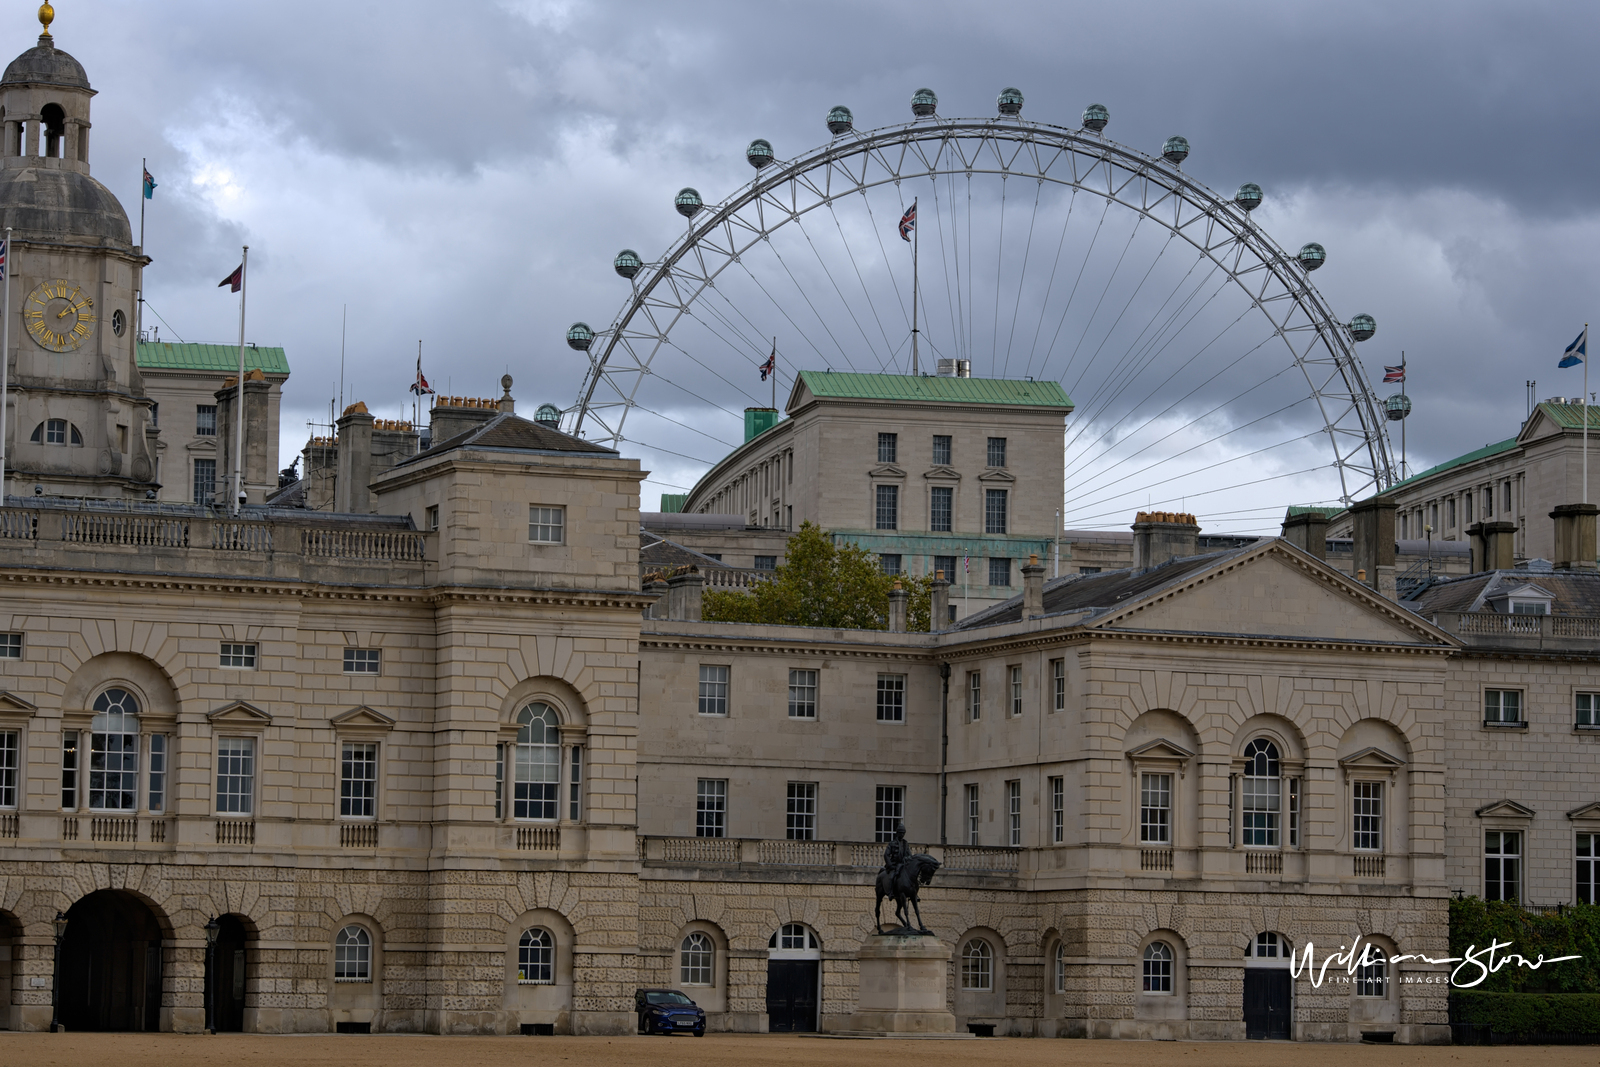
(770,365)
(1576,351)
(908,222)
(149,186)
(1394,374)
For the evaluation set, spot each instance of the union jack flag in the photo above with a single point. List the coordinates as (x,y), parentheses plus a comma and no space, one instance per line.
(421,387)
(1394,374)
(5,250)
(771,365)
(908,221)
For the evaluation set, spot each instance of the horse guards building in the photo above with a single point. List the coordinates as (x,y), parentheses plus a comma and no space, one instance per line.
(414,733)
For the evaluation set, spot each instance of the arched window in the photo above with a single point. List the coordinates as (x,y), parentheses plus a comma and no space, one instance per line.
(1267,946)
(54,129)
(1061,967)
(352,955)
(697,960)
(55,432)
(114,751)
(536,958)
(1262,794)
(977,966)
(793,936)
(1372,979)
(538,763)
(1158,967)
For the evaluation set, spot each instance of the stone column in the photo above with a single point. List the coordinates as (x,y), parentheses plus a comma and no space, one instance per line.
(1575,536)
(1307,530)
(350,493)
(897,609)
(1032,587)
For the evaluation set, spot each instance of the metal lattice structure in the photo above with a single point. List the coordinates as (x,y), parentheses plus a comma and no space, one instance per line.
(1218,228)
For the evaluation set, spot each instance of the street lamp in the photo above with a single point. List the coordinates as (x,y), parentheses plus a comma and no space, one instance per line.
(60,923)
(212,929)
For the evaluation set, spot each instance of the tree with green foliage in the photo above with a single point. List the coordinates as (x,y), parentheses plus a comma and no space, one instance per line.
(822,584)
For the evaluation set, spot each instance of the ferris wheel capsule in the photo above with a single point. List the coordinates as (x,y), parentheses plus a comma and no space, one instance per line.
(840,120)
(1397,407)
(1248,196)
(627,263)
(1010,102)
(1095,117)
(759,154)
(688,202)
(1175,149)
(1362,327)
(1312,256)
(580,336)
(924,103)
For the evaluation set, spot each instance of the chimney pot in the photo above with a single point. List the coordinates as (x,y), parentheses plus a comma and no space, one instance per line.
(1159,536)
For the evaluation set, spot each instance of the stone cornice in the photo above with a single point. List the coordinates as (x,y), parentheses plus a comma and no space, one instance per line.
(782,646)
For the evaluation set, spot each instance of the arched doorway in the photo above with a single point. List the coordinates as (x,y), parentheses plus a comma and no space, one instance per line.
(794,980)
(111,964)
(229,960)
(1268,988)
(10,959)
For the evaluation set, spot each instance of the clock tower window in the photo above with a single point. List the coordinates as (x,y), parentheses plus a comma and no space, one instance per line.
(55,131)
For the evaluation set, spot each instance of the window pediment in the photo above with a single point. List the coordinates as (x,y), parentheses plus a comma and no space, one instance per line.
(10,703)
(361,718)
(887,470)
(1371,762)
(239,713)
(942,474)
(1504,809)
(997,476)
(1160,754)
(1589,812)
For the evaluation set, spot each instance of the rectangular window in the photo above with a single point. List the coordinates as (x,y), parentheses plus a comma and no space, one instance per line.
(362,660)
(1505,496)
(358,779)
(997,451)
(204,482)
(941,450)
(888,505)
(10,766)
(69,770)
(1529,607)
(1016,691)
(236,775)
(974,696)
(1058,676)
(1155,808)
(499,781)
(1372,979)
(889,562)
(241,657)
(1088,570)
(114,765)
(10,646)
(999,571)
(536,774)
(946,564)
(1450,513)
(802,694)
(1366,816)
(575,784)
(432,514)
(1587,852)
(766,563)
(1502,865)
(941,502)
(711,807)
(889,811)
(157,782)
(1058,810)
(994,511)
(888,446)
(1014,814)
(1502,705)
(801,813)
(1262,796)
(1588,709)
(205,420)
(974,822)
(713,690)
(891,698)
(1294,813)
(547,526)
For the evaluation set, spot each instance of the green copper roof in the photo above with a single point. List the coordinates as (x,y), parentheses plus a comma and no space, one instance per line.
(218,359)
(1570,416)
(1298,509)
(944,390)
(1476,454)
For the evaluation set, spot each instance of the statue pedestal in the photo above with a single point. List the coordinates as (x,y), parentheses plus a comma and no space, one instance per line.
(903,980)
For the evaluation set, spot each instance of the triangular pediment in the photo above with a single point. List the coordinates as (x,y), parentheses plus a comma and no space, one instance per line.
(362,716)
(886,470)
(1588,811)
(997,476)
(1372,759)
(944,474)
(1504,809)
(1160,748)
(1274,590)
(9,701)
(239,712)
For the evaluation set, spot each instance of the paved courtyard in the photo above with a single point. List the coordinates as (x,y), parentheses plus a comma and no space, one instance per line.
(390,1050)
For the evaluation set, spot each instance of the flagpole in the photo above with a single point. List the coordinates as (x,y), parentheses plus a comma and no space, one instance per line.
(1584,407)
(915,234)
(774,374)
(5,359)
(238,408)
(138,326)
(1403,473)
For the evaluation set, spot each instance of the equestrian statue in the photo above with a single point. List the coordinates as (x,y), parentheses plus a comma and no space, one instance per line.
(903,874)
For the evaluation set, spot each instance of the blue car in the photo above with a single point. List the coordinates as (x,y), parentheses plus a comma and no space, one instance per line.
(667,1011)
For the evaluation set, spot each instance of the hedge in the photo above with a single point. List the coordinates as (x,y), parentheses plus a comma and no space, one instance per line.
(1476,923)
(1527,1013)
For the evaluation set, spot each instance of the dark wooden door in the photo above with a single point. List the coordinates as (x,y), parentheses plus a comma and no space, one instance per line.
(792,995)
(1266,1004)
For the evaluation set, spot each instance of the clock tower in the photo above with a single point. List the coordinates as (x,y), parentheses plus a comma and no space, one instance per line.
(78,422)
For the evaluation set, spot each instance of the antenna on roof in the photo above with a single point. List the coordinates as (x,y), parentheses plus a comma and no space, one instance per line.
(344,316)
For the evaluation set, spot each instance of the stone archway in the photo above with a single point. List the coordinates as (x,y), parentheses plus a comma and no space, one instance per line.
(230,960)
(111,964)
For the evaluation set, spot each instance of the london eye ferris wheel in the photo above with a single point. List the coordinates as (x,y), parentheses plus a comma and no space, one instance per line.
(1207,372)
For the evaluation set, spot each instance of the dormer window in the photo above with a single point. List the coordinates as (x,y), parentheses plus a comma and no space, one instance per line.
(1530,607)
(1520,599)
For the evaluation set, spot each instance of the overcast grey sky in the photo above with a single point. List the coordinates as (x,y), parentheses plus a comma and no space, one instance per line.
(463,173)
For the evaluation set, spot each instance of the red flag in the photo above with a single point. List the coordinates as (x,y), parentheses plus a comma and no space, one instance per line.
(234,280)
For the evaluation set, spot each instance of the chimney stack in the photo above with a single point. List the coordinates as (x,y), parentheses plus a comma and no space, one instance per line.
(1033,588)
(1373,535)
(1307,530)
(260,474)
(1493,545)
(939,602)
(897,609)
(1159,536)
(683,596)
(1575,536)
(350,493)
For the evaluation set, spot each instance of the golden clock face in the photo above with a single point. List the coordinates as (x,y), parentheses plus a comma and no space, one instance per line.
(59,315)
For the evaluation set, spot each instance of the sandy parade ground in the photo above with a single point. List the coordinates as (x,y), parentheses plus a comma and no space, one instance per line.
(724,1050)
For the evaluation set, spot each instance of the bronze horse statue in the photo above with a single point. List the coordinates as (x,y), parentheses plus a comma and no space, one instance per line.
(902,885)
